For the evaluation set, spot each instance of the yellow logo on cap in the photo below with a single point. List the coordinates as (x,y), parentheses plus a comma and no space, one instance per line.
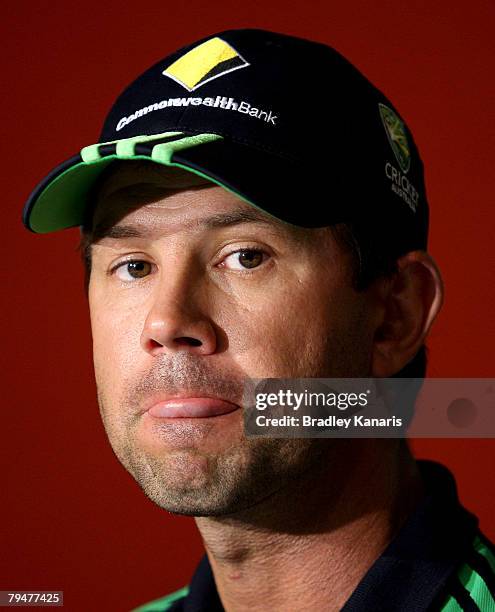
(206,62)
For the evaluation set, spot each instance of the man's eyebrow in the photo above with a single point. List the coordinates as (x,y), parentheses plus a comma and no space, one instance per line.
(212,222)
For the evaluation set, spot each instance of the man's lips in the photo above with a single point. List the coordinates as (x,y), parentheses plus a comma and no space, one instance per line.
(191,407)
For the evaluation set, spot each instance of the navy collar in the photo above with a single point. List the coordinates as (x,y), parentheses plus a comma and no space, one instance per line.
(412,571)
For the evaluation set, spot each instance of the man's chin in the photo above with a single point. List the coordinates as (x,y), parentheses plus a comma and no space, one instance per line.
(233,476)
(184,482)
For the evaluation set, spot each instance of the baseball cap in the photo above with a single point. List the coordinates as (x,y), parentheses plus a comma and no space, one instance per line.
(287,124)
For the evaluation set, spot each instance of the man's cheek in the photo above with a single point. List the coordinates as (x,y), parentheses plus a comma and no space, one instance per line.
(272,345)
(117,348)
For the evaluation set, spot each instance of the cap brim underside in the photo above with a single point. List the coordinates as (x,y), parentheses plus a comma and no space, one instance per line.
(61,199)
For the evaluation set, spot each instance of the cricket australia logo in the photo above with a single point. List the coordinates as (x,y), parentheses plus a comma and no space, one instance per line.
(396,134)
(207,61)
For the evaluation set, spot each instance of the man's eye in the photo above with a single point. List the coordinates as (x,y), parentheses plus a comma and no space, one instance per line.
(244,259)
(132,270)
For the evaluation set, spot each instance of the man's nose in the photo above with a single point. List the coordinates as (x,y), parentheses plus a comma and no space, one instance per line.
(177,319)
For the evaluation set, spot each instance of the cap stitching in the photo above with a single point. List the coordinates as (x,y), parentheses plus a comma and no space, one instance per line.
(241,140)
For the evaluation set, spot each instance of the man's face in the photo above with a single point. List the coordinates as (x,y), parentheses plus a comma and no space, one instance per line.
(191,293)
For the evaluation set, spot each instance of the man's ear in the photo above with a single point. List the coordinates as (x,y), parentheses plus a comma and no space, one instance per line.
(410,301)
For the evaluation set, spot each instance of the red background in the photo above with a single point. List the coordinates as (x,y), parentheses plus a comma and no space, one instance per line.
(72,518)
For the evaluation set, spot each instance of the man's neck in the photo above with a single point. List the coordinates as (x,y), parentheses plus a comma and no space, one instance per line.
(307,546)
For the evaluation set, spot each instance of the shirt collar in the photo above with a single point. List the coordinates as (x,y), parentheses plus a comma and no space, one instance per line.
(412,570)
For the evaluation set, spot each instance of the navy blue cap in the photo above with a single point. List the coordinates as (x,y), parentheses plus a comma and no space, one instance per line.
(287,124)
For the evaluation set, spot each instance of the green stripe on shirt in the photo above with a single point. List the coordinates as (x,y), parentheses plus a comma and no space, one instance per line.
(164,603)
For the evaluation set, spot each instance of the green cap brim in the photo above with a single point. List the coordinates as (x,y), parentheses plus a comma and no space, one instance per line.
(60,201)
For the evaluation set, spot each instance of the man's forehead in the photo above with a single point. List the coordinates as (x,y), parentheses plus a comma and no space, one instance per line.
(136,176)
(137,192)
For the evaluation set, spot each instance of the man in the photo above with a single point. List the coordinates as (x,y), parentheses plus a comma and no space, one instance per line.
(255,208)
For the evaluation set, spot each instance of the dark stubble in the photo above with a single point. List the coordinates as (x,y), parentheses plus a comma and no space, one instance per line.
(197,478)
